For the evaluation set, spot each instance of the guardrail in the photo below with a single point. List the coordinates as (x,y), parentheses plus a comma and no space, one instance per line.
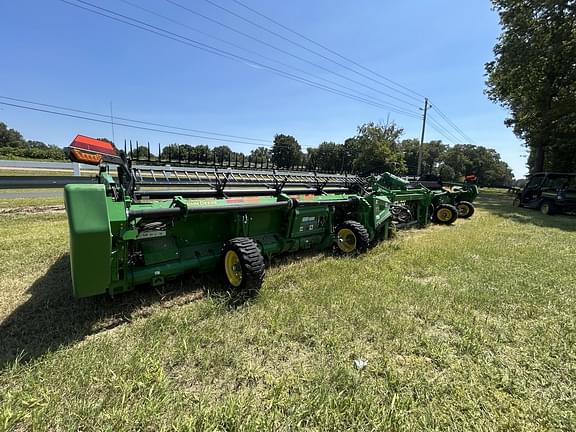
(42,182)
(156,175)
(74,168)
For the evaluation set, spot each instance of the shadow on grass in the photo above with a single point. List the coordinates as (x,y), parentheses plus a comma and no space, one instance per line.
(51,317)
(501,204)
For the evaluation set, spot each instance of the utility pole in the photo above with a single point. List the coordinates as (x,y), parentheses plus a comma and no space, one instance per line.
(420,151)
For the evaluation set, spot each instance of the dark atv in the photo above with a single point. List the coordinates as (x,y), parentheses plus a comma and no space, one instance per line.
(549,192)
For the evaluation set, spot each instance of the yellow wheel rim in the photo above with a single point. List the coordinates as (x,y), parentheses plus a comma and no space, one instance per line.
(233,268)
(346,240)
(444,215)
(463,210)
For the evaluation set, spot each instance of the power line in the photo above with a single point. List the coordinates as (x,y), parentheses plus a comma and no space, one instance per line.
(287,52)
(108,122)
(437,129)
(367,99)
(318,77)
(134,121)
(453,125)
(444,116)
(275,22)
(222,53)
(444,131)
(295,43)
(450,123)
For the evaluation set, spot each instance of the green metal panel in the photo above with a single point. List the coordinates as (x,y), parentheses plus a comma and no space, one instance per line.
(161,249)
(90,238)
(309,221)
(381,209)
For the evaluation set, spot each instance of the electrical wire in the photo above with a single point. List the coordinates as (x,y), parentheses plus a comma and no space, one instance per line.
(277,23)
(133,120)
(270,59)
(331,71)
(272,32)
(453,138)
(169,132)
(433,126)
(222,53)
(205,47)
(453,125)
(444,117)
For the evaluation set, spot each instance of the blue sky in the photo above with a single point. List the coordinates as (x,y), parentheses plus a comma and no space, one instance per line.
(58,54)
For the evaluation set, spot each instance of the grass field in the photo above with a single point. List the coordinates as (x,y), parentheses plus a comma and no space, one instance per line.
(469,327)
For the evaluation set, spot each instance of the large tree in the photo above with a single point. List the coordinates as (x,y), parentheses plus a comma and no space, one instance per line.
(222,153)
(260,153)
(379,149)
(10,137)
(327,157)
(286,151)
(140,152)
(465,159)
(350,152)
(432,154)
(13,145)
(533,75)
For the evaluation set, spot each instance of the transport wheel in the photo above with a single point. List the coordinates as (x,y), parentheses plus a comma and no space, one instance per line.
(517,202)
(243,264)
(465,209)
(351,236)
(547,208)
(445,214)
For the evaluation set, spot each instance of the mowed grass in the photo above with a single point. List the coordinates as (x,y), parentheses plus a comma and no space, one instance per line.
(469,327)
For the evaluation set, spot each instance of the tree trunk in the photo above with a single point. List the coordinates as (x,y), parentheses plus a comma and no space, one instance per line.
(539,157)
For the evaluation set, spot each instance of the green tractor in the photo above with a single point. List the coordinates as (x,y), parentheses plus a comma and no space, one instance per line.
(126,231)
(459,195)
(413,203)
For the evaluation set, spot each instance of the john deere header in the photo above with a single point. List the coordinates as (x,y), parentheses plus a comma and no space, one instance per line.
(149,224)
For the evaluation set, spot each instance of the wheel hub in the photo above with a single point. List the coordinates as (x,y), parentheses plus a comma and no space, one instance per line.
(346,240)
(233,268)
(444,215)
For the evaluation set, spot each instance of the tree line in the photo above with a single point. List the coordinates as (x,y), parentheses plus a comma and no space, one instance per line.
(14,146)
(374,149)
(533,75)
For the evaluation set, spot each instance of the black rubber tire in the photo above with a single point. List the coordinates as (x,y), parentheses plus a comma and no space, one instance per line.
(360,233)
(470,209)
(251,263)
(445,221)
(431,212)
(547,208)
(517,202)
